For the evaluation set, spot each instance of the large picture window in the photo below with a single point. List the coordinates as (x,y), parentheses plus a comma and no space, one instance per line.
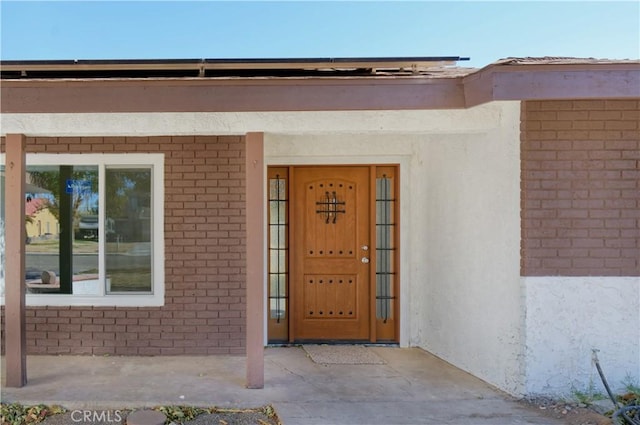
(94,230)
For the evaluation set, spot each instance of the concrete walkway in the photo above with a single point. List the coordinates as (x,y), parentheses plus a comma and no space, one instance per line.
(413,387)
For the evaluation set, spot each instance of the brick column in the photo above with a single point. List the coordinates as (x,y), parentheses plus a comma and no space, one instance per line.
(255,258)
(15,232)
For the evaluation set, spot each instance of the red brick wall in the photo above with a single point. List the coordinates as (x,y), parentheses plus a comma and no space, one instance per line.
(204,267)
(580,188)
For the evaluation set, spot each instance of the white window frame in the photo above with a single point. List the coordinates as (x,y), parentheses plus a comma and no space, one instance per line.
(156,297)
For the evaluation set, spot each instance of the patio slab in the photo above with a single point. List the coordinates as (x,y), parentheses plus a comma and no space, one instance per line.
(412,387)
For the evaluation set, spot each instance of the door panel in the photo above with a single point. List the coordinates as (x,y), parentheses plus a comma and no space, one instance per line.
(331,294)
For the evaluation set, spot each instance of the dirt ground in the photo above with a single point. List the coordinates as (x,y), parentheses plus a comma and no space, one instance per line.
(567,413)
(571,414)
(574,416)
(118,417)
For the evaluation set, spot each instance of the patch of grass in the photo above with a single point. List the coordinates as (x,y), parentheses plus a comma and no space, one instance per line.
(17,414)
(588,396)
(130,280)
(52,246)
(119,247)
(632,395)
(180,414)
(80,246)
(631,385)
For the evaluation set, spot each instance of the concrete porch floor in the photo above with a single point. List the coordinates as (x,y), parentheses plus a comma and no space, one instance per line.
(413,387)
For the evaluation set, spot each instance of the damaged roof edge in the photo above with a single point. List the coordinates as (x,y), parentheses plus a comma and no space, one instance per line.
(216,67)
(416,66)
(238,61)
(561,60)
(440,87)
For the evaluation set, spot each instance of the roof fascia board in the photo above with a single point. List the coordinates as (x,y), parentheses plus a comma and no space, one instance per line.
(493,83)
(238,95)
(557,81)
(566,84)
(230,81)
(478,87)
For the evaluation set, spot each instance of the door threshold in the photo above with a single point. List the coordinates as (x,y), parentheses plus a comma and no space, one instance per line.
(316,342)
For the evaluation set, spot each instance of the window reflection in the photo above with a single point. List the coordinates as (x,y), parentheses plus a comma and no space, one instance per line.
(128,229)
(61,220)
(64,230)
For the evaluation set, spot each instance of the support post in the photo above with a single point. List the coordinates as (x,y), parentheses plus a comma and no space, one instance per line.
(254,170)
(15,234)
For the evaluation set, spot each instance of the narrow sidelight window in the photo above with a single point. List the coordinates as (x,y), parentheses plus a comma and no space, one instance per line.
(278,254)
(386,249)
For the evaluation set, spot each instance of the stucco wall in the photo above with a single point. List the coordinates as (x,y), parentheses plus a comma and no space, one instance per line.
(471,305)
(567,318)
(460,232)
(239,123)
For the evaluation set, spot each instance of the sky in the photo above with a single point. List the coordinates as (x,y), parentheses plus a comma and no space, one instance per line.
(482,31)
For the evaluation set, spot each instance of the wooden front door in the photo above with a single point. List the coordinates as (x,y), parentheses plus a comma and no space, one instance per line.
(331,235)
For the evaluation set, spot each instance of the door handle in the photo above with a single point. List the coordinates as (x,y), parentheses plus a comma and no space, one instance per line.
(365,260)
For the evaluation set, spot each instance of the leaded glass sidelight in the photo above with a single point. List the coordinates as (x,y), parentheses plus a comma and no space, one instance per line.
(385,247)
(278,254)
